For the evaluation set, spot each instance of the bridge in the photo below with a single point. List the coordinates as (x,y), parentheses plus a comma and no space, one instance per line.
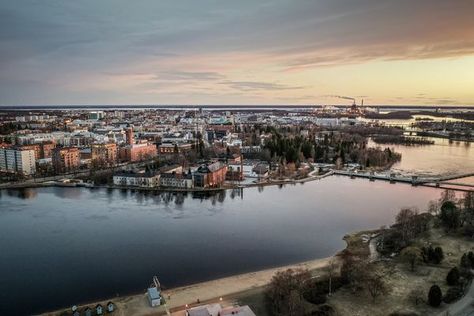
(439,182)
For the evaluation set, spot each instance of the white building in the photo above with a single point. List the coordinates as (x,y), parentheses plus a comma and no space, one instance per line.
(154,296)
(18,161)
(145,180)
(177,180)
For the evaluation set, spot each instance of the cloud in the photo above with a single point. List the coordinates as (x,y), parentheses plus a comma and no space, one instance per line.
(187,75)
(255,85)
(55,50)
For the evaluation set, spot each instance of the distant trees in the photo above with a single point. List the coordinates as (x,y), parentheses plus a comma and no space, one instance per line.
(435,296)
(330,147)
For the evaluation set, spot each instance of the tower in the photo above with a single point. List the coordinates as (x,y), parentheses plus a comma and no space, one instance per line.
(129,136)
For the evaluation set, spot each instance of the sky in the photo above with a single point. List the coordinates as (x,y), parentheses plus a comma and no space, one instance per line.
(236,52)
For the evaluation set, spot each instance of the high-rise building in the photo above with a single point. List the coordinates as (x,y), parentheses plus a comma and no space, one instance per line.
(18,160)
(66,159)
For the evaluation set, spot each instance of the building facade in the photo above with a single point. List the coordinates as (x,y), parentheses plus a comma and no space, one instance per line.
(16,160)
(210,175)
(104,153)
(66,159)
(145,180)
(138,152)
(169,148)
(177,180)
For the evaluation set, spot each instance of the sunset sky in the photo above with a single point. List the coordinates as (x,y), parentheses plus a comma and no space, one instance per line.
(236,52)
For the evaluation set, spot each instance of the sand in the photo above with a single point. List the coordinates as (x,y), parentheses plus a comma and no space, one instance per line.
(210,291)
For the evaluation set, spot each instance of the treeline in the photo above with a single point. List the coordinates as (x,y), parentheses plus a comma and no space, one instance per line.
(329,147)
(403,140)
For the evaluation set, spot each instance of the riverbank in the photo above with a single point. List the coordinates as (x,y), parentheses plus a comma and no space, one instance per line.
(233,289)
(228,288)
(269,182)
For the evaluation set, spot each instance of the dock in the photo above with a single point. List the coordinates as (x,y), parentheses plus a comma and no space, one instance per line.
(415,180)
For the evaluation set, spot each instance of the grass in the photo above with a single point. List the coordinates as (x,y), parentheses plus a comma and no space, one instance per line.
(402,281)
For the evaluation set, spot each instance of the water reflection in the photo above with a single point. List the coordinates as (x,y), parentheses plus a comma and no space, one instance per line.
(443,157)
(176,234)
(23,193)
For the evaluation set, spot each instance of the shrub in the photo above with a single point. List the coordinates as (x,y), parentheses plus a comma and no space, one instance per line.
(432,255)
(314,296)
(468,230)
(453,294)
(453,276)
(438,255)
(450,215)
(324,310)
(316,292)
(465,262)
(392,242)
(470,255)
(435,296)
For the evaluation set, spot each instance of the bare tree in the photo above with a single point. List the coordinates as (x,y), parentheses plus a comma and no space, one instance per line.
(331,269)
(406,223)
(447,195)
(433,208)
(412,255)
(376,285)
(285,292)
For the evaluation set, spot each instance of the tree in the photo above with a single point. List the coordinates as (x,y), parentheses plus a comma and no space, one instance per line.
(435,296)
(405,220)
(468,205)
(447,195)
(285,292)
(453,276)
(376,285)
(330,269)
(438,255)
(450,215)
(466,262)
(433,208)
(412,255)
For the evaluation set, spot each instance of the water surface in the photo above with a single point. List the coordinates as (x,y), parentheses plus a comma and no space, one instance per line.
(62,246)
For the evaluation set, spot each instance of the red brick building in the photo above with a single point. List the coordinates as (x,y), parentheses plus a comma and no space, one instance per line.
(138,152)
(210,175)
(66,159)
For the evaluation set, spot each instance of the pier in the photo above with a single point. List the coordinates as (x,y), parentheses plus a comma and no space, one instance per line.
(439,182)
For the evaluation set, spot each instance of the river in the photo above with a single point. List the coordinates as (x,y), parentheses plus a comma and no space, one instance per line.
(63,246)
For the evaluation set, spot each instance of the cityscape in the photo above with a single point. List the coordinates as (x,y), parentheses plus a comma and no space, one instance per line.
(270,158)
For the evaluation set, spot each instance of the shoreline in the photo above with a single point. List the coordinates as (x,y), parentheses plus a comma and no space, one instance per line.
(32,185)
(207,291)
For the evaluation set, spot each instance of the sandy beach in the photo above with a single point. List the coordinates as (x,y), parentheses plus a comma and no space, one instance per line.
(211,291)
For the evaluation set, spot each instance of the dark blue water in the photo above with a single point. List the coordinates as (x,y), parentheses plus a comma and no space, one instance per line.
(62,246)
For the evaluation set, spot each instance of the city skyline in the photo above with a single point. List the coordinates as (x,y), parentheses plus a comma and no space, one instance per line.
(273,52)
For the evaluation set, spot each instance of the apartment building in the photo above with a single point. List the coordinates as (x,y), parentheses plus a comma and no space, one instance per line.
(17,160)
